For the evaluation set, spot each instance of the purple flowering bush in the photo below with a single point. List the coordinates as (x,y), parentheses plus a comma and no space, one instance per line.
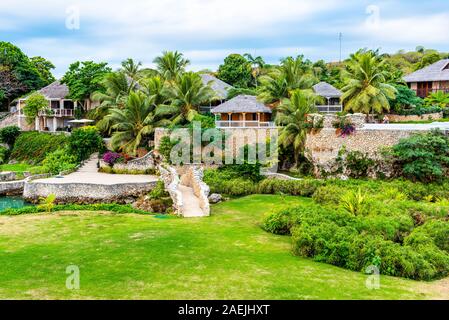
(112,158)
(344,127)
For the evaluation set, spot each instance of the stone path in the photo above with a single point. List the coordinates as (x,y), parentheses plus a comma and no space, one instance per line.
(88,173)
(190,203)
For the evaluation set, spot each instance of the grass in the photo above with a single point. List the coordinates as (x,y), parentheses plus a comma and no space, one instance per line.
(20,168)
(225,256)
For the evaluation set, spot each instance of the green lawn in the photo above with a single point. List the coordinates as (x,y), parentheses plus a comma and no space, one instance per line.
(225,256)
(20,167)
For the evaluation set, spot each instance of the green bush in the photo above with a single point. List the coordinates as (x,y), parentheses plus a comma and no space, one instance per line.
(159,191)
(423,157)
(392,243)
(328,195)
(305,188)
(4,153)
(34,103)
(9,135)
(32,147)
(83,142)
(59,161)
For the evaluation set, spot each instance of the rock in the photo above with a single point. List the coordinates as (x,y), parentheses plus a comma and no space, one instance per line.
(13,162)
(215,198)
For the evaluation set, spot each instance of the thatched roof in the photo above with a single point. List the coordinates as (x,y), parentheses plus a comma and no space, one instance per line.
(324,89)
(439,71)
(56,90)
(220,87)
(242,103)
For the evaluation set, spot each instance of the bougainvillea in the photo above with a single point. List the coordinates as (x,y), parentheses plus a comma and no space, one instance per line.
(111,158)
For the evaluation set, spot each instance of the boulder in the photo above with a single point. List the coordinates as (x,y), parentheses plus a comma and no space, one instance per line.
(215,198)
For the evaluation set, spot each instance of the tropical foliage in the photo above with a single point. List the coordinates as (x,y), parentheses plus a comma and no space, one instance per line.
(34,103)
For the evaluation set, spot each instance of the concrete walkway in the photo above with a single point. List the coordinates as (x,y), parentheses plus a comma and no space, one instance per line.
(407,126)
(88,173)
(190,203)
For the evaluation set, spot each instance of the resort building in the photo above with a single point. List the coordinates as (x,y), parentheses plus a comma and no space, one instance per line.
(243,111)
(430,79)
(331,95)
(221,89)
(60,109)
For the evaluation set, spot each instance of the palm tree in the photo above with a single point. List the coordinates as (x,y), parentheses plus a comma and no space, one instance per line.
(171,64)
(438,98)
(292,116)
(154,87)
(133,124)
(257,63)
(187,94)
(131,69)
(366,89)
(291,75)
(118,87)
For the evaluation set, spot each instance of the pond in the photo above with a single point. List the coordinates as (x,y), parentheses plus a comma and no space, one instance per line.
(12,202)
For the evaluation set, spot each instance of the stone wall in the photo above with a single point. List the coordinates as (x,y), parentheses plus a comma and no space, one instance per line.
(171,182)
(322,148)
(147,162)
(87,193)
(11,187)
(193,178)
(424,117)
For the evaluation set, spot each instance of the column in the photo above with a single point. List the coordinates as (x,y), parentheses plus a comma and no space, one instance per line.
(244,119)
(55,124)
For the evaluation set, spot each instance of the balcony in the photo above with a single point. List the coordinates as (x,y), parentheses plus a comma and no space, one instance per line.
(56,113)
(330,108)
(244,124)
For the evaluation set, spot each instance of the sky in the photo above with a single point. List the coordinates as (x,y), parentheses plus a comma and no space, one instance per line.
(206,31)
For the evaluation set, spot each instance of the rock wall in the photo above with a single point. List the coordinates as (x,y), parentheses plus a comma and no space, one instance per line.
(147,162)
(171,181)
(11,187)
(85,193)
(424,117)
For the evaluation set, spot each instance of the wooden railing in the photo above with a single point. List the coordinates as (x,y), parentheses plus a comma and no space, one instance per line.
(244,124)
(57,113)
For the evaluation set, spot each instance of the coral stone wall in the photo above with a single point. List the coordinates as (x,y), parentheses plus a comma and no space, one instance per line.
(193,178)
(424,117)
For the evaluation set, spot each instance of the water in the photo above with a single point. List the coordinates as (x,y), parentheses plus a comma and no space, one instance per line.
(12,202)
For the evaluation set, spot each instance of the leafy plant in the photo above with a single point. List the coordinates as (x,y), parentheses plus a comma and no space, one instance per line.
(83,142)
(111,158)
(9,135)
(34,103)
(47,204)
(354,202)
(58,161)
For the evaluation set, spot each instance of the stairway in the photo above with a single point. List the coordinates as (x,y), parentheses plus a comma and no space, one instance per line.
(190,203)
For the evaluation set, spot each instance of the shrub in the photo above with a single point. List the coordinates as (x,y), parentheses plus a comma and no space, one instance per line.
(112,207)
(59,161)
(47,203)
(304,188)
(358,164)
(354,202)
(34,103)
(159,191)
(328,195)
(423,157)
(4,153)
(33,146)
(9,135)
(83,142)
(165,147)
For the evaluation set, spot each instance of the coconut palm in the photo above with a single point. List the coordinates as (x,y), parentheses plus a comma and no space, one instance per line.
(118,87)
(133,124)
(187,94)
(131,69)
(292,116)
(366,89)
(257,63)
(171,64)
(154,87)
(280,82)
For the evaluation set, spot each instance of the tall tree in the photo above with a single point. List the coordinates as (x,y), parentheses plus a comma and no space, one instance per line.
(133,125)
(187,94)
(171,64)
(292,117)
(131,69)
(85,78)
(236,71)
(365,89)
(257,63)
(44,67)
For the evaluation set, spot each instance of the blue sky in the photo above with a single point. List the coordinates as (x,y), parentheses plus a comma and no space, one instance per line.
(206,31)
